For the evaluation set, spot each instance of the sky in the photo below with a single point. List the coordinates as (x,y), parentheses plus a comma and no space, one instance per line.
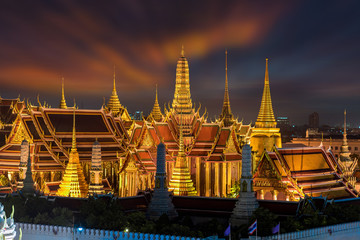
(313,49)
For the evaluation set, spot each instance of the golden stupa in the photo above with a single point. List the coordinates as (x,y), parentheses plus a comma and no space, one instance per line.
(73,183)
(181,183)
(114,102)
(156,111)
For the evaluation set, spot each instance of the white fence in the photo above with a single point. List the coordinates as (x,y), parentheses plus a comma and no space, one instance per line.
(37,231)
(339,231)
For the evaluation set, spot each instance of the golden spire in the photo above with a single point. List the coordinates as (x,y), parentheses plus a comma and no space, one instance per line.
(266,117)
(73,183)
(182,97)
(181,183)
(114,102)
(73,145)
(344,152)
(156,111)
(62,101)
(226,114)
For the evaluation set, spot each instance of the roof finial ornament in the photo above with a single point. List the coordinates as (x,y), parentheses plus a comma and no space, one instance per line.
(62,101)
(322,139)
(345,123)
(114,88)
(182,50)
(73,145)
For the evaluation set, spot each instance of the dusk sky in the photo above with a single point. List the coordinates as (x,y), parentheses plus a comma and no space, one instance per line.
(313,49)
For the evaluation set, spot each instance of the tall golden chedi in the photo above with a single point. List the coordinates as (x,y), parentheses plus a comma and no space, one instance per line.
(73,183)
(265,134)
(180,182)
(226,115)
(182,107)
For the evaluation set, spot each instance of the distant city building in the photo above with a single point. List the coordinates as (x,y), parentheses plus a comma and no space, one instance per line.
(138,115)
(282,121)
(314,120)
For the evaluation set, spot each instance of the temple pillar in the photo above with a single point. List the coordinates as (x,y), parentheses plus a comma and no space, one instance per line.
(172,165)
(223,179)
(52,175)
(207,179)
(217,179)
(228,177)
(149,180)
(261,195)
(287,196)
(198,175)
(275,194)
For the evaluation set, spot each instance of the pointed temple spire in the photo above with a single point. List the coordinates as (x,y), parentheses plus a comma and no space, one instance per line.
(96,186)
(182,97)
(161,202)
(247,202)
(226,114)
(73,183)
(27,184)
(62,101)
(181,183)
(344,150)
(156,111)
(266,117)
(114,102)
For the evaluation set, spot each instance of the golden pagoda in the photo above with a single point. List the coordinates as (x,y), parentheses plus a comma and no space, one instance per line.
(226,115)
(156,111)
(62,101)
(114,102)
(265,134)
(182,98)
(73,183)
(181,183)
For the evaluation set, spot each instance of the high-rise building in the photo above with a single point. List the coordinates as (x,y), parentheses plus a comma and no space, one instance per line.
(314,120)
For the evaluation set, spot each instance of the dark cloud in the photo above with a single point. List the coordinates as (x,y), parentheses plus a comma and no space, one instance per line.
(313,50)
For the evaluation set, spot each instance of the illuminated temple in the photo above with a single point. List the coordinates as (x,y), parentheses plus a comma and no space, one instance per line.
(108,152)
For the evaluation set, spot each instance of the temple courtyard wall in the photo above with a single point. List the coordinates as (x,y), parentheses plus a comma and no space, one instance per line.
(49,232)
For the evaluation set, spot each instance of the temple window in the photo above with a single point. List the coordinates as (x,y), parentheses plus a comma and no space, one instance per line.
(356,148)
(349,148)
(336,148)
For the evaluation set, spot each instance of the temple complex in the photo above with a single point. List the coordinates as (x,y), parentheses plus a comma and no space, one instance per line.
(109,152)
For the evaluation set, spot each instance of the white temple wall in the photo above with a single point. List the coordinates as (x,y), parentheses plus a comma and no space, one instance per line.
(49,232)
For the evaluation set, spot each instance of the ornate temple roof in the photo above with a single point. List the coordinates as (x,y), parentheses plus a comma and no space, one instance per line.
(308,170)
(51,130)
